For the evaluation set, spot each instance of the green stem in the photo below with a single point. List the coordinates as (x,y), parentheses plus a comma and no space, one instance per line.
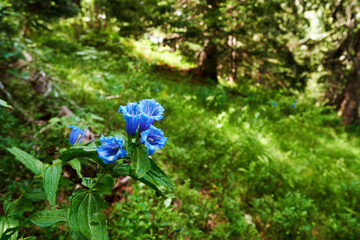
(97,181)
(21,196)
(129,140)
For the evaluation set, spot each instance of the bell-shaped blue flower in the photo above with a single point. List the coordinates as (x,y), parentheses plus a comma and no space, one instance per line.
(153,138)
(75,133)
(111,149)
(150,111)
(131,114)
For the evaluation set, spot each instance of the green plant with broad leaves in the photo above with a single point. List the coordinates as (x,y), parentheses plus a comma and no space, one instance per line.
(116,155)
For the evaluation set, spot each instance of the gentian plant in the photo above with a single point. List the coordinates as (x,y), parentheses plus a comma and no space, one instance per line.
(116,155)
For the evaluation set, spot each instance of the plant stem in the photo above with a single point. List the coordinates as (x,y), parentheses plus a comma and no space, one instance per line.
(16,202)
(129,140)
(97,181)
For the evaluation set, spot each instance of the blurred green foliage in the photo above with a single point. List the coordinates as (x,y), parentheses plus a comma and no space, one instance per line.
(249,162)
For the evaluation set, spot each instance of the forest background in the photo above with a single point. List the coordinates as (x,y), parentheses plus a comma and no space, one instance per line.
(261,101)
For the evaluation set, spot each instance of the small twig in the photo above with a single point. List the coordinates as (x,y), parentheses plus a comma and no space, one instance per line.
(113,97)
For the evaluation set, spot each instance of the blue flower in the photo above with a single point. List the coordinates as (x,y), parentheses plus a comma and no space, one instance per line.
(294,101)
(111,149)
(150,111)
(293,105)
(274,104)
(156,89)
(74,135)
(131,114)
(153,138)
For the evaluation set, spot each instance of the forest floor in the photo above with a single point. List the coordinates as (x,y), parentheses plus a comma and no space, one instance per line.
(245,166)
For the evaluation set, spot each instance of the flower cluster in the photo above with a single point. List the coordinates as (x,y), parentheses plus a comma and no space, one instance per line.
(139,119)
(141,116)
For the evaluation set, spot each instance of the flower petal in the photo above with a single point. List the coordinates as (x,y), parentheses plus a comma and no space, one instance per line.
(153,139)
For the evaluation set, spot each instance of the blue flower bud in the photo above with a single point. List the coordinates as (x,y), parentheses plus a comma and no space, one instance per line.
(74,135)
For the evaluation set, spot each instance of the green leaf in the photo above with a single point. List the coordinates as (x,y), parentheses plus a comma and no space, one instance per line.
(76,165)
(104,187)
(51,176)
(157,180)
(30,162)
(47,218)
(78,235)
(18,207)
(12,232)
(36,194)
(140,160)
(86,218)
(80,151)
(8,223)
(88,182)
(4,104)
(120,170)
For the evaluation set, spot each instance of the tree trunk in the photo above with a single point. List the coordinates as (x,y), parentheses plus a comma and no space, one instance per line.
(209,56)
(208,61)
(349,107)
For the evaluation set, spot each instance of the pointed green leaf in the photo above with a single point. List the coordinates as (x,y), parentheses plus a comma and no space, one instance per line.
(86,218)
(140,160)
(36,194)
(80,151)
(88,182)
(47,218)
(78,235)
(51,177)
(104,187)
(30,162)
(13,231)
(76,165)
(8,223)
(18,207)
(120,170)
(157,180)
